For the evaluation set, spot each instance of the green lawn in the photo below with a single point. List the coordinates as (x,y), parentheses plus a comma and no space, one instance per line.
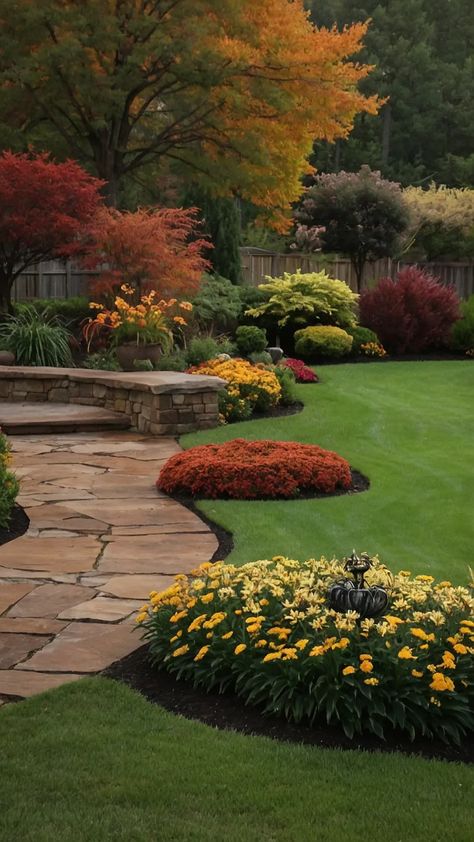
(409,427)
(94,761)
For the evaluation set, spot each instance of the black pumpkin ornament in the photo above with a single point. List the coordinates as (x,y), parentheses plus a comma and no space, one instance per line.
(353,595)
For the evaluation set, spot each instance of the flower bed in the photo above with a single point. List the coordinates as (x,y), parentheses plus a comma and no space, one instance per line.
(8,484)
(252,388)
(265,631)
(249,470)
(302,372)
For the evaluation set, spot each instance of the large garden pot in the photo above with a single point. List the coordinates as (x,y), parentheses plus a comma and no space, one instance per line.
(130,351)
(7,358)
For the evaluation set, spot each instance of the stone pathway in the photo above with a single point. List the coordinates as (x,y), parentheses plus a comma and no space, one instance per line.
(101,537)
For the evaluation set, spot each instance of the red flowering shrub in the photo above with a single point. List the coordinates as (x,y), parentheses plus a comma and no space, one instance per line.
(248,470)
(302,372)
(412,314)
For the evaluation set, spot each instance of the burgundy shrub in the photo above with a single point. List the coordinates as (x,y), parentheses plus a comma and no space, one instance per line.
(412,314)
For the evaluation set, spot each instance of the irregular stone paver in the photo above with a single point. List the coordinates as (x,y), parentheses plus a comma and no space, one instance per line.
(85,647)
(30,625)
(101,608)
(11,593)
(50,600)
(136,587)
(68,555)
(14,648)
(100,539)
(18,683)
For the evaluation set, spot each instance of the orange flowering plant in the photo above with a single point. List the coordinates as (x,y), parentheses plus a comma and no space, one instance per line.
(267,631)
(147,321)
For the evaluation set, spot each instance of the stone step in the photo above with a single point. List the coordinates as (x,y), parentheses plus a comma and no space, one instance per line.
(43,417)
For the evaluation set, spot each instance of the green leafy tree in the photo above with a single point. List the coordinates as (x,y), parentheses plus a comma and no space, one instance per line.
(363,215)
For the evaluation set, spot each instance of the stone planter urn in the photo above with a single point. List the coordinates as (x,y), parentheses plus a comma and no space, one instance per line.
(7,358)
(130,351)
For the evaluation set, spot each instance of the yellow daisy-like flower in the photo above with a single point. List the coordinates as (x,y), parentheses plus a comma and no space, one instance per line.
(202,652)
(207,597)
(441,682)
(366,666)
(349,670)
(417,674)
(178,616)
(260,644)
(460,649)
(227,635)
(406,654)
(241,647)
(371,681)
(141,617)
(181,651)
(365,657)
(272,656)
(301,644)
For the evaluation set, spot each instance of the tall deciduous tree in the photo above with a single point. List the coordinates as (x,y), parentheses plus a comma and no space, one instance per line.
(237,90)
(46,211)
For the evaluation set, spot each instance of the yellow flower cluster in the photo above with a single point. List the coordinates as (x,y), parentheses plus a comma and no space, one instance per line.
(272,617)
(246,383)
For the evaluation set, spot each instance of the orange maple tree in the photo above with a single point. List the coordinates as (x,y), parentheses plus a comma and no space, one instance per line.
(147,249)
(235,91)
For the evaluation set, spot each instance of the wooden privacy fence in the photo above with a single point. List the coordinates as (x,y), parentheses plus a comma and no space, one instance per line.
(257,264)
(53,279)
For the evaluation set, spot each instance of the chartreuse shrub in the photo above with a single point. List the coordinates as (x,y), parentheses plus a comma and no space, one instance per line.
(306,298)
(8,483)
(265,631)
(248,470)
(251,388)
(462,337)
(319,341)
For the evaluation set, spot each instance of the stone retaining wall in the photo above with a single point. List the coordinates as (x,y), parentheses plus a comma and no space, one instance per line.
(159,403)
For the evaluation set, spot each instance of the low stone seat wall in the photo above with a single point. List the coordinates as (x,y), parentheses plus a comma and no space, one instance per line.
(157,402)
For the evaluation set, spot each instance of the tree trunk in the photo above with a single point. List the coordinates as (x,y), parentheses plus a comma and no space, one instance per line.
(6,284)
(109,168)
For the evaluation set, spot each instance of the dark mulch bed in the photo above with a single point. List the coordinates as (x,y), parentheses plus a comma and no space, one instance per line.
(227,711)
(278,411)
(19,523)
(395,358)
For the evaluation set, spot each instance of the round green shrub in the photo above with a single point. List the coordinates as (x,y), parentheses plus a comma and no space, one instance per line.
(462,337)
(322,341)
(361,336)
(250,339)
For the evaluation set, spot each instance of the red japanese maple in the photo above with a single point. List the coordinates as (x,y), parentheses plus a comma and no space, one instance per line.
(46,209)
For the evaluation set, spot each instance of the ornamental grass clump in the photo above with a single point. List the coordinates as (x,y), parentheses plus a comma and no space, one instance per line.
(251,388)
(265,631)
(250,470)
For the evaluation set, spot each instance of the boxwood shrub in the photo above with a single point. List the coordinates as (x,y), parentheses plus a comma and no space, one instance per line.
(265,631)
(322,341)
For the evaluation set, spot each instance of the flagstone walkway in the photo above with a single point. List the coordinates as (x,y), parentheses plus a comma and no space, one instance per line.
(101,537)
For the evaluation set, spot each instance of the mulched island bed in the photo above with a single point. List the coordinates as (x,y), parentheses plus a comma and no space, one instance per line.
(18,525)
(227,711)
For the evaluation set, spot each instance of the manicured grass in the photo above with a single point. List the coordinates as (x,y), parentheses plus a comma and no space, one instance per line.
(94,761)
(409,427)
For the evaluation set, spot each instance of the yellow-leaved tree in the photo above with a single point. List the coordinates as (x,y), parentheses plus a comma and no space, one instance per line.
(235,90)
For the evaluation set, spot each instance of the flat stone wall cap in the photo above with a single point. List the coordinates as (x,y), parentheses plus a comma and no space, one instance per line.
(156,382)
